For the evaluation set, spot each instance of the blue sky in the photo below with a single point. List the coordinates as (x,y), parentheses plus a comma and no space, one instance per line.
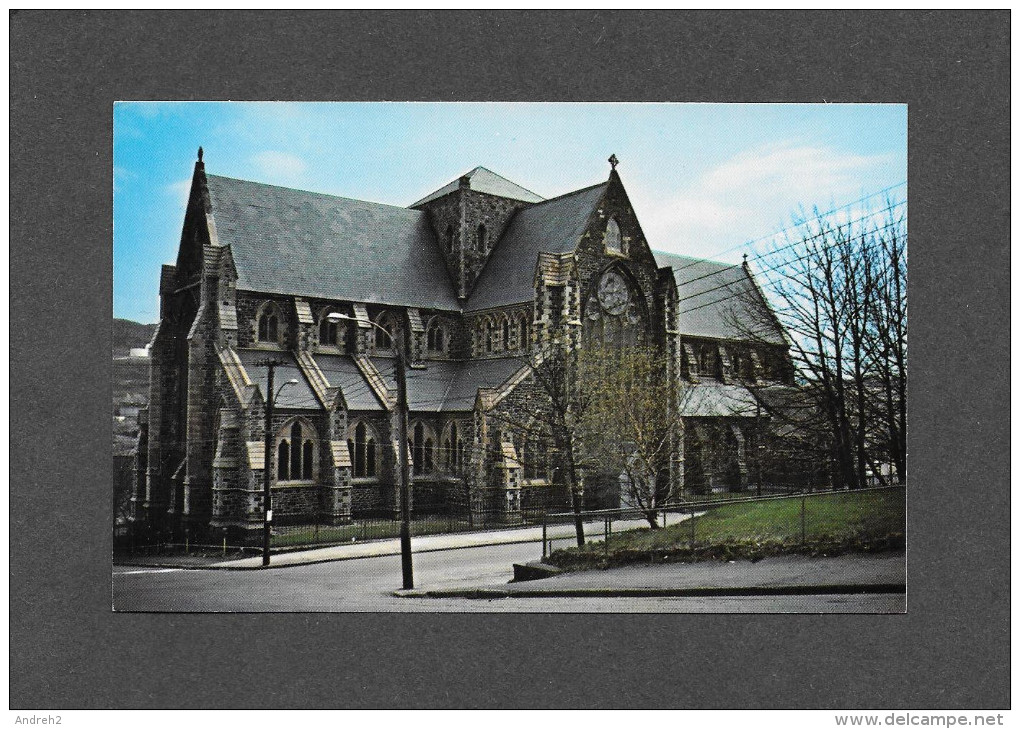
(703,178)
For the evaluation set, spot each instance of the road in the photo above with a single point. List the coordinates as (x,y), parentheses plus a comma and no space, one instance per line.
(367,585)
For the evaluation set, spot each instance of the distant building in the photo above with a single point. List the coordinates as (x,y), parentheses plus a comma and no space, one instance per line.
(471,280)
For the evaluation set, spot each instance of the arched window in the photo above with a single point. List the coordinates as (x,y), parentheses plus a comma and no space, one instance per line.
(614,241)
(418,449)
(363,452)
(307,460)
(437,339)
(482,239)
(295,453)
(481,329)
(269,324)
(283,461)
(422,450)
(332,334)
(535,457)
(525,340)
(386,340)
(429,456)
(504,342)
(449,239)
(490,336)
(450,460)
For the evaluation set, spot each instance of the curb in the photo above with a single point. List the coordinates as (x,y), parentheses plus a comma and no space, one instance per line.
(494,593)
(322,560)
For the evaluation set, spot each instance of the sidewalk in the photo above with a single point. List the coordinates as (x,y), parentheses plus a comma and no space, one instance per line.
(786,575)
(388,547)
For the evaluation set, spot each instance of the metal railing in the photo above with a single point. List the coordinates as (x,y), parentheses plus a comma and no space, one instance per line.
(791,525)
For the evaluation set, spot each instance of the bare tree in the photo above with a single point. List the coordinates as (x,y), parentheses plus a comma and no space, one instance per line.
(631,429)
(838,290)
(550,416)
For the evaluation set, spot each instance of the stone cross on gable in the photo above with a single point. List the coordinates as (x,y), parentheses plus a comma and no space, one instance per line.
(613,161)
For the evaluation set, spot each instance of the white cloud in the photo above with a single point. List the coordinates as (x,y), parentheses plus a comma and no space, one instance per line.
(180,191)
(279,167)
(753,194)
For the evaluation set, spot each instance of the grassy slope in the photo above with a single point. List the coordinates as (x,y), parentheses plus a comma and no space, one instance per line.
(848,519)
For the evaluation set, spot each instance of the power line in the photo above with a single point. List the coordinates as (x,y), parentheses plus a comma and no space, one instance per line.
(775,268)
(796,225)
(762,256)
(781,264)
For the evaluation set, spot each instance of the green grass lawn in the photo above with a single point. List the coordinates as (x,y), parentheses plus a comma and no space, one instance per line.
(846,518)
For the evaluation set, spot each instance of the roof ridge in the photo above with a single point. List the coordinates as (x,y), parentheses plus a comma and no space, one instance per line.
(695,258)
(319,194)
(507,179)
(566,194)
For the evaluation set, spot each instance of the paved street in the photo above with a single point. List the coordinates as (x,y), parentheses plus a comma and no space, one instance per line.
(367,584)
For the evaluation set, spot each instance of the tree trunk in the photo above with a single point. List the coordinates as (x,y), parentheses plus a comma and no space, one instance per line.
(578,522)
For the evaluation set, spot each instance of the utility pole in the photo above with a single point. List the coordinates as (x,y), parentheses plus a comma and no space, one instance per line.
(759,445)
(405,471)
(267,477)
(406,567)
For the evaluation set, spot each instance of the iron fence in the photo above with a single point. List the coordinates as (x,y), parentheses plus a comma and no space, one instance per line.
(696,520)
(368,528)
(859,514)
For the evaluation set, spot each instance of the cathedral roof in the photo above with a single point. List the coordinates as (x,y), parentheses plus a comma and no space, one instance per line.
(553,226)
(442,386)
(301,243)
(714,296)
(298,396)
(487,181)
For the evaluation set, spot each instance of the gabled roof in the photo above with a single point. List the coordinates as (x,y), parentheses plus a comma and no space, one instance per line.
(301,243)
(487,181)
(553,226)
(450,386)
(716,401)
(714,296)
(298,396)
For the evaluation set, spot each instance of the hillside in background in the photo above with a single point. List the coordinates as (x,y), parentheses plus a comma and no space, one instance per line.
(130,381)
(128,334)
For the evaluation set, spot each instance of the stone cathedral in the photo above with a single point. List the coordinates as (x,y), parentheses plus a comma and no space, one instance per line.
(472,280)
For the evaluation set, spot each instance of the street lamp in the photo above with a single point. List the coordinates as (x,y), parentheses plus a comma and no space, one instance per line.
(267,479)
(405,469)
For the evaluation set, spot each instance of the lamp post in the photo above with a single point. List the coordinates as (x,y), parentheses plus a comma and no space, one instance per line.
(406,566)
(267,477)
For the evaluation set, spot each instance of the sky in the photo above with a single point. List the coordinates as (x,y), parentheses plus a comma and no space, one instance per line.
(704,179)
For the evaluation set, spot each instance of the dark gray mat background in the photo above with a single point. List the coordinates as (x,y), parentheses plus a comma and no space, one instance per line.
(69,651)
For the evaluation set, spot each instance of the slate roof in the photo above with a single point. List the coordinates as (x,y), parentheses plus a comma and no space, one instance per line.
(483,180)
(341,371)
(449,386)
(553,226)
(713,295)
(292,397)
(717,400)
(442,386)
(301,243)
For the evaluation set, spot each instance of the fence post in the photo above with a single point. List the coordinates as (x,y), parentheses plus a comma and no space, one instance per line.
(605,533)
(543,535)
(692,524)
(803,507)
